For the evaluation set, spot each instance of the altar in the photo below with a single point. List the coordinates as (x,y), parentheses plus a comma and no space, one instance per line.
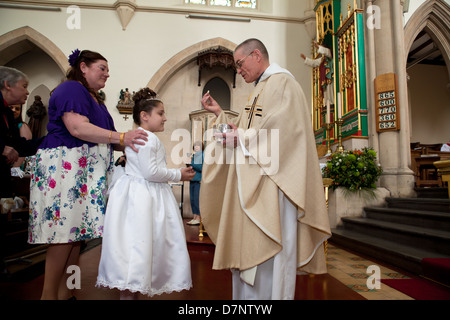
(340,122)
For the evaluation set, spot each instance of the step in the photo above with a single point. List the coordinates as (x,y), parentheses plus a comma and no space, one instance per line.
(402,256)
(429,204)
(419,218)
(424,238)
(436,193)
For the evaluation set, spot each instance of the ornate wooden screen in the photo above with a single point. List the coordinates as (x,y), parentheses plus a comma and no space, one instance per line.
(352,75)
(345,37)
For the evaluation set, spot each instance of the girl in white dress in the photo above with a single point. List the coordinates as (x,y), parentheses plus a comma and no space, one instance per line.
(144,246)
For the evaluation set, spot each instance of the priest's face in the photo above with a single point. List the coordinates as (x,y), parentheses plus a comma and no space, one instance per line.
(246,65)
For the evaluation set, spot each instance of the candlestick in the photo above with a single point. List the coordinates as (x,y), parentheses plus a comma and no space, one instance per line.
(340,148)
(328,126)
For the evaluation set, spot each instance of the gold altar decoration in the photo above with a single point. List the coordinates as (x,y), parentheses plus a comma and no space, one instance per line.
(344,36)
(348,65)
(327,22)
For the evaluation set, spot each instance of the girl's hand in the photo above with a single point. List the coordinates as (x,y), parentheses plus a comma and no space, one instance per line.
(187,174)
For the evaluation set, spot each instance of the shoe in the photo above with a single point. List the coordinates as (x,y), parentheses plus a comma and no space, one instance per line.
(194,222)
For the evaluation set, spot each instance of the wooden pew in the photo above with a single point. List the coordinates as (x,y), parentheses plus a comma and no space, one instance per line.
(444,172)
(423,157)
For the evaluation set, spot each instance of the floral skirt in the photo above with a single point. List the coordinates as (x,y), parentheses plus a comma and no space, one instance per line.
(68,193)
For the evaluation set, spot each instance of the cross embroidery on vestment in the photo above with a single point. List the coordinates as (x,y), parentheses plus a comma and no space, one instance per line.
(254,109)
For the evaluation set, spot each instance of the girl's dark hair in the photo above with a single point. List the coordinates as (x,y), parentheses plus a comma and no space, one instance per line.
(75,73)
(144,100)
(19,120)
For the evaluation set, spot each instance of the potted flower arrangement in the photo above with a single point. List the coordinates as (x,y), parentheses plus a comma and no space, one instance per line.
(353,170)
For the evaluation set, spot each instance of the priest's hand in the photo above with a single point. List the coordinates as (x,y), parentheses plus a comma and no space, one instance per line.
(231,139)
(211,105)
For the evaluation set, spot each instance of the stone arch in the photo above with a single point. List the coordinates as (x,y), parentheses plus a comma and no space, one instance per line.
(184,57)
(16,42)
(434,17)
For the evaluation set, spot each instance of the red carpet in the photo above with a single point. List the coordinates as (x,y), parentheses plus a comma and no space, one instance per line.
(419,289)
(437,269)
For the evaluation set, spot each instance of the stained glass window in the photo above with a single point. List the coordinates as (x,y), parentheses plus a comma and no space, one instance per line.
(225,3)
(195,1)
(246,4)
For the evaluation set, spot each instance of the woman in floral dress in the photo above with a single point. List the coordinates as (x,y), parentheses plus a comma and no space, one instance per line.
(72,167)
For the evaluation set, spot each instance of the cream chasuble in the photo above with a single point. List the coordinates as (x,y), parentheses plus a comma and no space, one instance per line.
(239,201)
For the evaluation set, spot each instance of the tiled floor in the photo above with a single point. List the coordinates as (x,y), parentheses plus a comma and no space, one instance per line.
(354,272)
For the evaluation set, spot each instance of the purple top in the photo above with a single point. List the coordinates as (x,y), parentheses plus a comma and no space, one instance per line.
(73,96)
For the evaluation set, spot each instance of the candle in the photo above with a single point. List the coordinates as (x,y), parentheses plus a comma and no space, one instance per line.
(339,106)
(328,112)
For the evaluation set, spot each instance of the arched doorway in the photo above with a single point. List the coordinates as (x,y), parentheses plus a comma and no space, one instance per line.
(220,90)
(39,58)
(23,40)
(427,37)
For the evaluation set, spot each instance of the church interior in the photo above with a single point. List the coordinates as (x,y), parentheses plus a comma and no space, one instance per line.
(389,78)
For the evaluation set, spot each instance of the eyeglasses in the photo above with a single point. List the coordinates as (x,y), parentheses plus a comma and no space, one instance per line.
(239,63)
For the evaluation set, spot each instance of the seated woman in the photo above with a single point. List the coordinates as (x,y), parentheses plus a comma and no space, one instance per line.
(24,129)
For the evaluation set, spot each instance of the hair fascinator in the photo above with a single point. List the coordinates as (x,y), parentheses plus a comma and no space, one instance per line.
(153,98)
(150,95)
(74,57)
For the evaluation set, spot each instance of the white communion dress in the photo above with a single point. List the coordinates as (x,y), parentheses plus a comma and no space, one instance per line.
(144,245)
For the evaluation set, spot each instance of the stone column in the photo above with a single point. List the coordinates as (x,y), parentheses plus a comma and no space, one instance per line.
(386,51)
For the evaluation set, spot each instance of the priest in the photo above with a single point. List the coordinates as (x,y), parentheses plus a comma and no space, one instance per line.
(268,219)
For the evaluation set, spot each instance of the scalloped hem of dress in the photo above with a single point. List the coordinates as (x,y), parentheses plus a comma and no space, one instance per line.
(167,289)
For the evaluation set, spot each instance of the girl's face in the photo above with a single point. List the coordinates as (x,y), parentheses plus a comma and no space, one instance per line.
(96,74)
(154,121)
(197,148)
(17,110)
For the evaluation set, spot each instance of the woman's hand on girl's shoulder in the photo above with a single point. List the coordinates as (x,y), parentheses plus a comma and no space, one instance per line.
(135,137)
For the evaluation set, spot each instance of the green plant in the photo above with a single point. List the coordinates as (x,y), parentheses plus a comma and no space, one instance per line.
(354,170)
